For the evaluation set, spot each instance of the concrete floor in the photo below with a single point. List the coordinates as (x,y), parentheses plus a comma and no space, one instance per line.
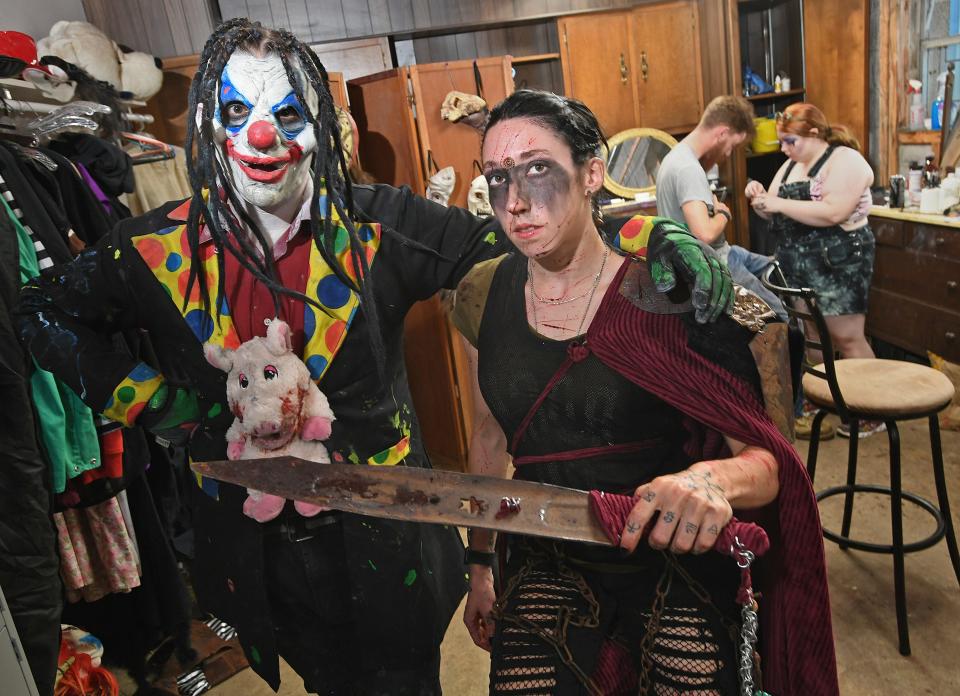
(861,587)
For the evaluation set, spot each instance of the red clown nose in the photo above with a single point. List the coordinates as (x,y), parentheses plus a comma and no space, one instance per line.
(262,135)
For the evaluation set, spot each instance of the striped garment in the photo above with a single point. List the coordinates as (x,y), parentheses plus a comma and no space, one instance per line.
(43,257)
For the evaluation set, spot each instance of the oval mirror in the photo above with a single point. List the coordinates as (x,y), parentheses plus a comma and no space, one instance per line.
(633,160)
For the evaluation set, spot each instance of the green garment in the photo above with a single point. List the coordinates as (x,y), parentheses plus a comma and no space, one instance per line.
(67,430)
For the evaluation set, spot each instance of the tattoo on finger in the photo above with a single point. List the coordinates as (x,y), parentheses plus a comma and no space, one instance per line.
(633,527)
(649,496)
(712,529)
(668,516)
(690,528)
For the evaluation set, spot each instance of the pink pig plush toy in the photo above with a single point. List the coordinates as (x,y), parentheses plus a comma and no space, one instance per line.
(278,410)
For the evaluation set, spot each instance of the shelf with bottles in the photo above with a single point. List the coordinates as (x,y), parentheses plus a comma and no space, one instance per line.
(776,96)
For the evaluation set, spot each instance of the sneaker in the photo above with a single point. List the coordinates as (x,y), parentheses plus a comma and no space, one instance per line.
(803,427)
(867,428)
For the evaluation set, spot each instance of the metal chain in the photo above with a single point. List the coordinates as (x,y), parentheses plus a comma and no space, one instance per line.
(653,627)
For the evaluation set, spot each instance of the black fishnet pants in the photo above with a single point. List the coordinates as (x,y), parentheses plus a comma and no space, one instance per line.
(557,627)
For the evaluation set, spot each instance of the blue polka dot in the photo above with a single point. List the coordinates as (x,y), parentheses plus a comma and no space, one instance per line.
(200,323)
(309,323)
(316,364)
(366,233)
(332,292)
(167,230)
(141,373)
(174,261)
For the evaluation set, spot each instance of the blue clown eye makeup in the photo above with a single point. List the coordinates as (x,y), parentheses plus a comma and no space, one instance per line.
(290,116)
(233,109)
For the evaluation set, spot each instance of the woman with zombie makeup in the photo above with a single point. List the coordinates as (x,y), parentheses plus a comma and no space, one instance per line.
(818,203)
(588,381)
(275,229)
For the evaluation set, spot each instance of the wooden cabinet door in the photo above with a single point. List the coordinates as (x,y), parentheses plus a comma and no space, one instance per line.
(836,51)
(666,49)
(454,145)
(595,55)
(380,104)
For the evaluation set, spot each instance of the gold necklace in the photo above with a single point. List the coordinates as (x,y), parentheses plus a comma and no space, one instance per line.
(591,292)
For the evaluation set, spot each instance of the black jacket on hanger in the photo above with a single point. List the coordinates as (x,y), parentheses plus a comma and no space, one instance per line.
(29,564)
(81,206)
(34,212)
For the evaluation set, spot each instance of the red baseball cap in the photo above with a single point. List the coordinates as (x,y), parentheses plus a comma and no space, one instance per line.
(18,52)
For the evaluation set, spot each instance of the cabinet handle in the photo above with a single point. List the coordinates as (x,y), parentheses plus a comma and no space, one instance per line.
(623,70)
(939,240)
(950,335)
(952,284)
(644,67)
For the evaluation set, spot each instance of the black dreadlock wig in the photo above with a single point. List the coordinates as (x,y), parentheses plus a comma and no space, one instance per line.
(328,171)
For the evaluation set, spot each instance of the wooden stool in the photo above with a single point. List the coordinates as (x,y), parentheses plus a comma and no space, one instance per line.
(888,391)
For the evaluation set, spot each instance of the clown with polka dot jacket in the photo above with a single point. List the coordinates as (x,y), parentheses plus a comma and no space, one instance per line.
(274,229)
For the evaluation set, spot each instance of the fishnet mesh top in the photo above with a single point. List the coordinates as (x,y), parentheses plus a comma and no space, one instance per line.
(591,406)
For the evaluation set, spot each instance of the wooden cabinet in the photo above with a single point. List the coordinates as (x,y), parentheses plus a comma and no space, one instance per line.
(666,41)
(401,130)
(636,68)
(915,295)
(597,64)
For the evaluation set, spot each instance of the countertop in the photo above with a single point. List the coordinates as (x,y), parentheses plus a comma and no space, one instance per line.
(914,215)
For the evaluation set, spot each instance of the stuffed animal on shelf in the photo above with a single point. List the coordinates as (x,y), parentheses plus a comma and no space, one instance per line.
(277,408)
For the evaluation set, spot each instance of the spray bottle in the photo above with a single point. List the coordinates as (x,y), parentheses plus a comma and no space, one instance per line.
(915,122)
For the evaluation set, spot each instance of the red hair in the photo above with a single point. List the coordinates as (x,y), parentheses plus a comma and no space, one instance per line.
(802,119)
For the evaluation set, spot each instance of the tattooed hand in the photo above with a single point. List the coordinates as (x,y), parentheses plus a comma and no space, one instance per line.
(685,513)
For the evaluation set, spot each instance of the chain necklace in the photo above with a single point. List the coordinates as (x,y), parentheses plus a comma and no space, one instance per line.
(568,300)
(591,292)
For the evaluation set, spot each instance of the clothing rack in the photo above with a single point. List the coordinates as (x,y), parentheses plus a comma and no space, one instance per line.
(22,97)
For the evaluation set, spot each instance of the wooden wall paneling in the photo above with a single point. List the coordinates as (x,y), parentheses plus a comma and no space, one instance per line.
(299,19)
(179,28)
(338,89)
(666,40)
(530,8)
(260,11)
(389,147)
(837,61)
(421,14)
(154,15)
(466,44)
(356,17)
(400,14)
(444,13)
(607,39)
(280,13)
(453,144)
(379,16)
(200,21)
(326,20)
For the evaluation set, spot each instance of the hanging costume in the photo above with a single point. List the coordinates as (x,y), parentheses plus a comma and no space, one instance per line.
(645,394)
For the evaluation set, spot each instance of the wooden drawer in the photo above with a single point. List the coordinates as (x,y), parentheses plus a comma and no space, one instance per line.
(934,239)
(914,326)
(921,277)
(945,336)
(888,232)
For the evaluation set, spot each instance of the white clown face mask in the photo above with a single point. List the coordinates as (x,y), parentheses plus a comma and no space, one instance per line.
(267,142)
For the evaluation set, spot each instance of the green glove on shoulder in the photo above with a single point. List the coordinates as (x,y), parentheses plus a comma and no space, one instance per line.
(673,249)
(172,414)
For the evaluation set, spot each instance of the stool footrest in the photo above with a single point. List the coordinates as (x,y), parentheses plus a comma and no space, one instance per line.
(870,547)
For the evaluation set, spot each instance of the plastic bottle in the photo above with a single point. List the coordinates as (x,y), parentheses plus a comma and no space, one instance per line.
(936,110)
(914,177)
(777,85)
(915,121)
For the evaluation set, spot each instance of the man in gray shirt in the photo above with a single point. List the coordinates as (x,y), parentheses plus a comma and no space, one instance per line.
(683,191)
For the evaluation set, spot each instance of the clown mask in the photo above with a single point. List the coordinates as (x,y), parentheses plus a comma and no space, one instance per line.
(267,141)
